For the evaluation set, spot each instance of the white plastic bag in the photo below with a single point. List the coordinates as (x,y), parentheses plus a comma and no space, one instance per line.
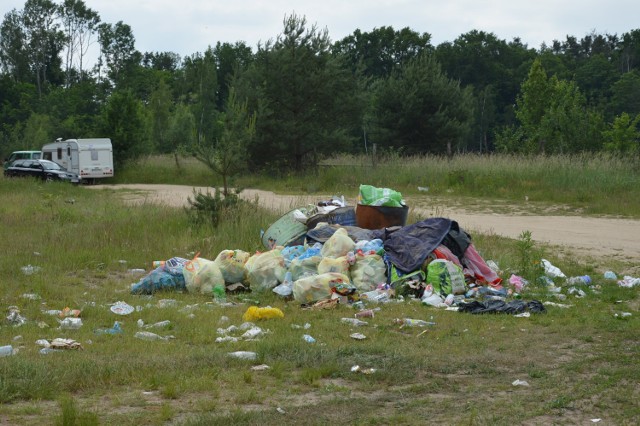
(265,270)
(231,264)
(339,244)
(202,275)
(368,271)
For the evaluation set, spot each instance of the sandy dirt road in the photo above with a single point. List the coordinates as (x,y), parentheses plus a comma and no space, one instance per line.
(584,236)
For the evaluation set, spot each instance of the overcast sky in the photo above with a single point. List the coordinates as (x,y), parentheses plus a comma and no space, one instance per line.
(190,26)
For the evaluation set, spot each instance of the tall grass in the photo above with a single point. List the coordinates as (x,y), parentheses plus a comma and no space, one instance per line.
(596,184)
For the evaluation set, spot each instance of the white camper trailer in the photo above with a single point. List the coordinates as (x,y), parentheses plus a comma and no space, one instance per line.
(91,159)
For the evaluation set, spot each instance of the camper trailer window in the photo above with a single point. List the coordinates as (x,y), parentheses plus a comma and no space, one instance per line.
(94,155)
(68,151)
(59,153)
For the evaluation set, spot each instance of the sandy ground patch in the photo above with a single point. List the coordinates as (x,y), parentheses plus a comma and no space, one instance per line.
(598,237)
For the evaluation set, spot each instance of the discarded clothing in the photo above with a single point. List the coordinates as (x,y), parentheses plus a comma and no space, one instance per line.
(501,307)
(408,247)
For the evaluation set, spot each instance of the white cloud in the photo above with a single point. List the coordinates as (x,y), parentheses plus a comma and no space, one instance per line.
(190,26)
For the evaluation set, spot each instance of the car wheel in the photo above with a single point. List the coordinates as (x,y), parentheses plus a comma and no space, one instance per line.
(49,179)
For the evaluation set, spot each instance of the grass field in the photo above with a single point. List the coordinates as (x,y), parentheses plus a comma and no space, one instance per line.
(579,361)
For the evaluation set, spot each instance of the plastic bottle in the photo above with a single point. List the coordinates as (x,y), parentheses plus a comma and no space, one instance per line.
(581,280)
(219,292)
(309,339)
(354,321)
(6,350)
(410,322)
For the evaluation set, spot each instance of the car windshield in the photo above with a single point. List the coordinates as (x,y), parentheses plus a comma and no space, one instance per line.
(50,165)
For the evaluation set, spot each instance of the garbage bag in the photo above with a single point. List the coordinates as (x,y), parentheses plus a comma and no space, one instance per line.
(318,287)
(446,277)
(231,264)
(202,276)
(301,268)
(339,244)
(265,270)
(372,196)
(328,264)
(368,271)
(159,280)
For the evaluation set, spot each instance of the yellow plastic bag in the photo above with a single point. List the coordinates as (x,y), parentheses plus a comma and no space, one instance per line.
(339,244)
(318,287)
(231,264)
(202,275)
(368,271)
(265,270)
(255,313)
(339,264)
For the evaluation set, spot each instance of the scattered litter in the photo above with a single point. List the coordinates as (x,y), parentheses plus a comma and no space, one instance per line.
(252,333)
(423,188)
(14,318)
(523,315)
(552,271)
(68,312)
(116,329)
(147,335)
(71,323)
(31,296)
(520,383)
(623,315)
(306,326)
(227,339)
(410,322)
(307,338)
(280,410)
(367,313)
(358,369)
(167,303)
(135,271)
(596,420)
(610,275)
(261,367)
(354,321)
(577,292)
(30,269)
(358,336)
(7,350)
(629,282)
(557,305)
(250,356)
(223,319)
(122,308)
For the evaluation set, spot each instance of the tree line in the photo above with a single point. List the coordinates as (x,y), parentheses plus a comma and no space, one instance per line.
(299,97)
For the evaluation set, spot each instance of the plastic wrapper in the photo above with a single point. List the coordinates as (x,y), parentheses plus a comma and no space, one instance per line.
(368,271)
(231,264)
(254,313)
(328,264)
(339,244)
(318,287)
(265,270)
(301,268)
(202,275)
(159,280)
(446,277)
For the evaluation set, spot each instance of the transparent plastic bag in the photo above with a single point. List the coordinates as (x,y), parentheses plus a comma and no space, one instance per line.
(318,287)
(446,277)
(339,264)
(339,244)
(301,268)
(231,264)
(202,276)
(368,271)
(265,270)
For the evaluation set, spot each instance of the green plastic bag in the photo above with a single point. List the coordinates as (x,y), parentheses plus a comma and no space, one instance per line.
(372,196)
(446,277)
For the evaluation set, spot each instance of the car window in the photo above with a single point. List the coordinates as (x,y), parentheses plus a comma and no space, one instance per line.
(50,165)
(35,165)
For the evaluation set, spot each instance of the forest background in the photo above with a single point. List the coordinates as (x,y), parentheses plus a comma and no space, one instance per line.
(301,97)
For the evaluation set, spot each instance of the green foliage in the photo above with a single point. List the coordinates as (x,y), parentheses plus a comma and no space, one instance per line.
(228,155)
(305,99)
(623,136)
(205,209)
(123,119)
(421,110)
(529,265)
